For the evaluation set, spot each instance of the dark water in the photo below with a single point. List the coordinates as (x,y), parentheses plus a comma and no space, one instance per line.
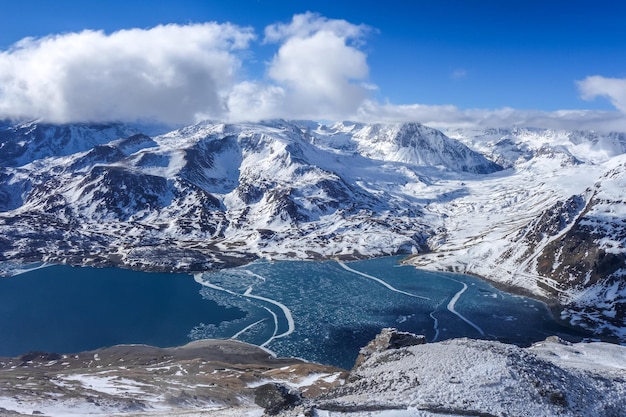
(64,309)
(334,309)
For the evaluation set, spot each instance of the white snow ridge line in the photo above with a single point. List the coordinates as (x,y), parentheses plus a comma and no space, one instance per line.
(380,281)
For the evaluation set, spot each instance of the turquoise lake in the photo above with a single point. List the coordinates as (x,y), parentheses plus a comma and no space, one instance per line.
(319,311)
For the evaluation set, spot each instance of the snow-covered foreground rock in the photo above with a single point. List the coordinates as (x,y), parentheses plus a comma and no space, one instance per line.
(538,210)
(464,377)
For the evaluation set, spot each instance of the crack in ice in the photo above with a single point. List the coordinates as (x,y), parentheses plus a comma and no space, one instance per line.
(435,321)
(380,281)
(275,327)
(290,322)
(451,307)
(262,278)
(245,329)
(248,294)
(435,325)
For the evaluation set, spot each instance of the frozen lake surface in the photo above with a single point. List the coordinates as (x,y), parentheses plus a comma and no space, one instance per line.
(319,311)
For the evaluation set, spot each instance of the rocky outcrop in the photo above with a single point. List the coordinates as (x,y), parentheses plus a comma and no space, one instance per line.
(468,377)
(275,397)
(388,338)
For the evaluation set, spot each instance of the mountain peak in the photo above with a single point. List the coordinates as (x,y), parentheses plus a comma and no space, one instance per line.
(409,143)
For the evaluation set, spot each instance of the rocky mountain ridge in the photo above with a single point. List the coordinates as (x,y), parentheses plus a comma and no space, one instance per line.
(211,192)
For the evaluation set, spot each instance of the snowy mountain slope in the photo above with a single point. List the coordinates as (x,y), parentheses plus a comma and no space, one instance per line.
(553,228)
(26,142)
(509,147)
(591,256)
(212,195)
(410,143)
(464,377)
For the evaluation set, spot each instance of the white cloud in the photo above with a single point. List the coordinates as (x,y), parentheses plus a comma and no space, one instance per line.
(613,88)
(169,73)
(181,73)
(250,101)
(448,116)
(318,65)
(307,24)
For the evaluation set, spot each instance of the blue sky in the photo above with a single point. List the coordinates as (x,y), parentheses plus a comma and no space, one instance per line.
(487,55)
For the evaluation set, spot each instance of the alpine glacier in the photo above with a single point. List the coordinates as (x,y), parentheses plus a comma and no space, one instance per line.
(535,209)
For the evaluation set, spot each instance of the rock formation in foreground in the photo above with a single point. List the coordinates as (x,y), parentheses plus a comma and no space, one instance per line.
(207,375)
(397,375)
(465,377)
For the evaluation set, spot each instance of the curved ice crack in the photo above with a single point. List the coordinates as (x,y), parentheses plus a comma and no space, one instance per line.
(435,321)
(452,303)
(252,274)
(199,280)
(435,325)
(288,316)
(380,281)
(273,336)
(290,323)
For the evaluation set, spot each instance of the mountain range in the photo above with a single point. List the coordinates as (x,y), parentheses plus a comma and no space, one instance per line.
(539,210)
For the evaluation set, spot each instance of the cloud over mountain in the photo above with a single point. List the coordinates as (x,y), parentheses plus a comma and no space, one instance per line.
(317,64)
(317,72)
(184,73)
(612,88)
(169,73)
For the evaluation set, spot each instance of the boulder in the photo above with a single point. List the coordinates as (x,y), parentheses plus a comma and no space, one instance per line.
(275,397)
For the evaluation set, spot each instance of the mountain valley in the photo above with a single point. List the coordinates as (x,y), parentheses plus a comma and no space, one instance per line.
(538,210)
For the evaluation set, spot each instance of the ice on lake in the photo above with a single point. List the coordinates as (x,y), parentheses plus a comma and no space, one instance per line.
(337,308)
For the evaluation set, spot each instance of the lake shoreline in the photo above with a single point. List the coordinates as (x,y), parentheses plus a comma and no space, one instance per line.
(553,307)
(552,303)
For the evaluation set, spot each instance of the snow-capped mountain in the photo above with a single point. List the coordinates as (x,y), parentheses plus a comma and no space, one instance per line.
(510,147)
(552,223)
(26,142)
(213,195)
(410,143)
